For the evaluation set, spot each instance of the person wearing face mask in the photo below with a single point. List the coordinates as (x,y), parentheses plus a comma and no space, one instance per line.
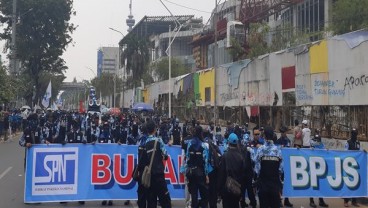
(352,144)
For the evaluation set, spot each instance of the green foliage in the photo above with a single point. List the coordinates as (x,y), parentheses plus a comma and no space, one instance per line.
(257,39)
(237,51)
(43,33)
(161,68)
(135,58)
(105,84)
(349,15)
(8,87)
(287,36)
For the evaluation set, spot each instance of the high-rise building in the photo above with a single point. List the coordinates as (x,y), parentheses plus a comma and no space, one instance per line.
(107,60)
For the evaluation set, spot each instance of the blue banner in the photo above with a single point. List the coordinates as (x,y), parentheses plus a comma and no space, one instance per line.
(77,172)
(324,173)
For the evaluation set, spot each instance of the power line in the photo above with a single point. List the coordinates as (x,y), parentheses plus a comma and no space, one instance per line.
(187,7)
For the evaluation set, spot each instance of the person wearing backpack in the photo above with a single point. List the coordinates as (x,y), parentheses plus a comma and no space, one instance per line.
(197,169)
(298,135)
(155,151)
(248,187)
(232,174)
(184,146)
(214,158)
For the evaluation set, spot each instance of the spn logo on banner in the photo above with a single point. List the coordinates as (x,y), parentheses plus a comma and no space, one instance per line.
(55,171)
(326,173)
(78,172)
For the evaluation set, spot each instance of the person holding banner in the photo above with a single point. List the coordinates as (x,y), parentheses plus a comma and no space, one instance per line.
(352,144)
(268,168)
(308,143)
(158,187)
(76,136)
(284,141)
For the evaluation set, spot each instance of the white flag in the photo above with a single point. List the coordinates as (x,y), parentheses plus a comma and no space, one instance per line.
(47,96)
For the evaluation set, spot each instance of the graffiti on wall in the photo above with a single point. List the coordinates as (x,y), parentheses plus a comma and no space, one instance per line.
(250,99)
(352,81)
(302,93)
(232,95)
(320,88)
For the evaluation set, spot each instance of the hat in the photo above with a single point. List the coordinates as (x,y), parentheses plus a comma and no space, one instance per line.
(317,138)
(268,132)
(233,138)
(305,122)
(354,132)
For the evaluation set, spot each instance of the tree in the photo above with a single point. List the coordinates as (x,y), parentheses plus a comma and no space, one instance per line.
(237,51)
(161,68)
(105,84)
(7,87)
(349,15)
(256,39)
(43,33)
(135,58)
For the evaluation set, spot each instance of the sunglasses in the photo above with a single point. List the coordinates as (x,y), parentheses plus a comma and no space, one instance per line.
(256,134)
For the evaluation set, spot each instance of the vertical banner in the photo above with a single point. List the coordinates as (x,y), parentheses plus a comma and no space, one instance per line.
(77,172)
(324,173)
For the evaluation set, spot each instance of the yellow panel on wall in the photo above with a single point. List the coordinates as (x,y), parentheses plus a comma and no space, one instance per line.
(146,95)
(207,80)
(319,58)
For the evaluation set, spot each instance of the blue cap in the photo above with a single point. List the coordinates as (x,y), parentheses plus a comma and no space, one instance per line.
(233,138)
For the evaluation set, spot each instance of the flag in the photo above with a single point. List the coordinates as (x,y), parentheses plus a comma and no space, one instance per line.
(47,96)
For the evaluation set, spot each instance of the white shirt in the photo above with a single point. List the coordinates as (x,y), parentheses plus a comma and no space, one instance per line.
(306,137)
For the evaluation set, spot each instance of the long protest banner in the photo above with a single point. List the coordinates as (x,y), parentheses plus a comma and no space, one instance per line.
(76,172)
(324,173)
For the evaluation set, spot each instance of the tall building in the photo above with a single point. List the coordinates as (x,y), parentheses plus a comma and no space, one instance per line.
(107,60)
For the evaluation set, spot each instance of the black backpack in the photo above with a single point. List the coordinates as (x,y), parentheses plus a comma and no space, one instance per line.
(214,155)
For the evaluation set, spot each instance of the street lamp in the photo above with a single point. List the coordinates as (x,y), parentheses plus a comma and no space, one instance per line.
(94,73)
(119,64)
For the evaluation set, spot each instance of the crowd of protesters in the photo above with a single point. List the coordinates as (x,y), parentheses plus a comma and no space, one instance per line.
(221,164)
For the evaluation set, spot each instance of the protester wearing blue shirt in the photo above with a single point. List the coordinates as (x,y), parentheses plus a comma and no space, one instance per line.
(197,168)
(268,168)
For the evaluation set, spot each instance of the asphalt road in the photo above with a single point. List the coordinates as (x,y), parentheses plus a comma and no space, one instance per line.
(12,185)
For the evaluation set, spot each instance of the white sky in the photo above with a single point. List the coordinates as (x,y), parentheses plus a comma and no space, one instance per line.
(94,17)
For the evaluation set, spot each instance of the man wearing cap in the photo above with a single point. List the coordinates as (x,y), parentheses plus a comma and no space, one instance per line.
(306,132)
(352,144)
(232,165)
(307,143)
(268,168)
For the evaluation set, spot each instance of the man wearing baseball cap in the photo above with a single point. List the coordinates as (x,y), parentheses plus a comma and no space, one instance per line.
(232,165)
(306,132)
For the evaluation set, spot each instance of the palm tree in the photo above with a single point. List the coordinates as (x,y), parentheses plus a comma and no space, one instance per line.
(135,58)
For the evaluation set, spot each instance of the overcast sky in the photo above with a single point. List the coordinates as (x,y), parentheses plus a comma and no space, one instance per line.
(94,17)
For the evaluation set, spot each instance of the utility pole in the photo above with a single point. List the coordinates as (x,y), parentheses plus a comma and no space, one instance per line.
(169,71)
(214,63)
(13,56)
